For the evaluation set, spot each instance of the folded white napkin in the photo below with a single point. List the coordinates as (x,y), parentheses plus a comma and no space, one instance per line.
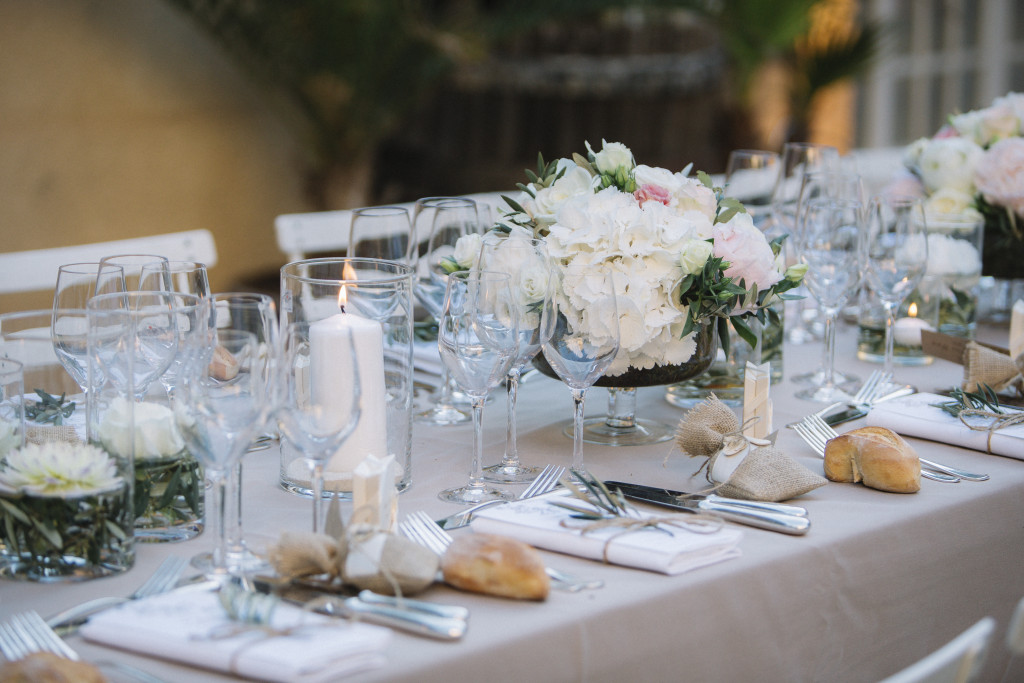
(426,358)
(916,415)
(190,626)
(667,549)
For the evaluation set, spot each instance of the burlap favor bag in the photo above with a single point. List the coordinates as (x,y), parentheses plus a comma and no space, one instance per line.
(40,434)
(711,430)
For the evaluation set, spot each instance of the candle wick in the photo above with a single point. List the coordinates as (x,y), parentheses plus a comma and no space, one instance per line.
(342,307)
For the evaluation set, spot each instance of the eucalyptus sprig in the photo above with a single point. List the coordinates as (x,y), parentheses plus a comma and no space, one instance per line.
(983,399)
(49,409)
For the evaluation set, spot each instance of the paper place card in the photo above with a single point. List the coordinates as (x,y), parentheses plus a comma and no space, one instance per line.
(916,415)
(374,495)
(1017,329)
(190,625)
(667,549)
(756,400)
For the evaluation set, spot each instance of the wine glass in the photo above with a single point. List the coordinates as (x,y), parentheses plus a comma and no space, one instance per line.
(219,415)
(133,265)
(526,261)
(380,232)
(186,278)
(145,321)
(578,352)
(257,315)
(452,218)
(750,177)
(830,238)
(894,256)
(320,403)
(834,184)
(76,284)
(478,339)
(798,158)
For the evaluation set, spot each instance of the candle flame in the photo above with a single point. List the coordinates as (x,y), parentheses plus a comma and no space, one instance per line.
(912,310)
(342,297)
(347,273)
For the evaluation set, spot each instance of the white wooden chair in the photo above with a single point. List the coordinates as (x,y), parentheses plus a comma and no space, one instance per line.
(35,270)
(958,661)
(301,234)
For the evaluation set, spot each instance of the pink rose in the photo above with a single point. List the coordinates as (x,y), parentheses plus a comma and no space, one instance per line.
(999,175)
(649,192)
(745,248)
(947,131)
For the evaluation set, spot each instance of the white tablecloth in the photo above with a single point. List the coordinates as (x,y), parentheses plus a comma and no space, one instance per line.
(879,581)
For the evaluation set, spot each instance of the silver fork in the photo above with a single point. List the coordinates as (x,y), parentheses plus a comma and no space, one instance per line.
(816,438)
(25,633)
(544,482)
(163,579)
(419,527)
(872,388)
(819,425)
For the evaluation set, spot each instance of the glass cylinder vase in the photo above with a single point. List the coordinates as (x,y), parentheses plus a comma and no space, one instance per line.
(374,298)
(954,264)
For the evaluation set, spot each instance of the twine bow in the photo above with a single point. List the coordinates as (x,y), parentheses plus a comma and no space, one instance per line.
(696,523)
(996,421)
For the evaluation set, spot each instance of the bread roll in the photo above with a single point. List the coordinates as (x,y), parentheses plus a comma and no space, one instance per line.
(875,455)
(45,667)
(495,565)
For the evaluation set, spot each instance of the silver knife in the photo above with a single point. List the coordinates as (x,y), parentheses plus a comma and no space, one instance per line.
(408,618)
(641,489)
(771,521)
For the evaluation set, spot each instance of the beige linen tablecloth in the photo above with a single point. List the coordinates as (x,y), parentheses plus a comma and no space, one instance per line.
(880,580)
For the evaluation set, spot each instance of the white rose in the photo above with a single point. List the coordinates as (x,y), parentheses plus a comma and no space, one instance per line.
(949,202)
(695,254)
(575,181)
(1015,101)
(156,432)
(951,256)
(989,125)
(467,251)
(912,154)
(949,162)
(612,157)
(692,195)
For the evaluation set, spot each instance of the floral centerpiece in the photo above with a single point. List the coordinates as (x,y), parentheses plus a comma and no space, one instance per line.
(168,492)
(972,170)
(688,257)
(64,512)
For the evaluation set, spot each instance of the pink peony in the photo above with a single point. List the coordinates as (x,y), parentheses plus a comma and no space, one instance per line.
(947,131)
(649,192)
(999,175)
(745,248)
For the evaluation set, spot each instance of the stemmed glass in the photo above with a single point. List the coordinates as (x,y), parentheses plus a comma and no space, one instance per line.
(320,403)
(894,256)
(478,340)
(453,217)
(148,322)
(798,158)
(257,315)
(380,232)
(830,238)
(184,277)
(76,284)
(580,356)
(133,265)
(219,415)
(750,177)
(526,262)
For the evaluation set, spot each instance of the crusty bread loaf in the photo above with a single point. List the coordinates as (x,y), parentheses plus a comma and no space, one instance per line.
(495,565)
(44,667)
(875,455)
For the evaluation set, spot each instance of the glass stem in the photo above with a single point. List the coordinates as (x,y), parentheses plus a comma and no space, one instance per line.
(220,550)
(890,336)
(621,409)
(577,429)
(511,459)
(476,473)
(317,476)
(233,522)
(444,400)
(829,360)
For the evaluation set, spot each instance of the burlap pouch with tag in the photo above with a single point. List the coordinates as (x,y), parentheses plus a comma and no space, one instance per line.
(711,429)
(40,434)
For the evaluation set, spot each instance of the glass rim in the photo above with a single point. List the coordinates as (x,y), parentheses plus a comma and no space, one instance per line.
(400,272)
(138,294)
(384,210)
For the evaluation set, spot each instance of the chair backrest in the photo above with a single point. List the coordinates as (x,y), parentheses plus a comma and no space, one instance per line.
(302,234)
(29,271)
(958,661)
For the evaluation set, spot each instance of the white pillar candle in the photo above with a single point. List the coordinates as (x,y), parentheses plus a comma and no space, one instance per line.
(331,380)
